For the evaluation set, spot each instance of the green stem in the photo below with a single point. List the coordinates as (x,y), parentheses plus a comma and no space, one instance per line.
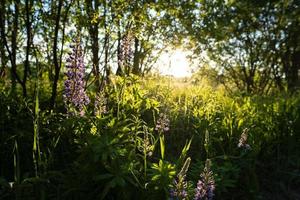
(16,163)
(36,147)
(162,145)
(145,164)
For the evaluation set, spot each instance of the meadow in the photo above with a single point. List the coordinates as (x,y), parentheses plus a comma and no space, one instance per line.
(92,106)
(148,138)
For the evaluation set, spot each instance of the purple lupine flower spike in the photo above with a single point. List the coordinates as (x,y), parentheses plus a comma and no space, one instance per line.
(100,104)
(206,184)
(126,54)
(200,190)
(179,190)
(243,140)
(75,96)
(162,124)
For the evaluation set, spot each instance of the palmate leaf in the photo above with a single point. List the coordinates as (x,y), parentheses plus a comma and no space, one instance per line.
(119,176)
(162,174)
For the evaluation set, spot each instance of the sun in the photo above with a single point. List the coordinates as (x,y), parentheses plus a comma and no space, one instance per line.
(174,63)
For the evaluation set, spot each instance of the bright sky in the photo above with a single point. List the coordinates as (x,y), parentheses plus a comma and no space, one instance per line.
(174,62)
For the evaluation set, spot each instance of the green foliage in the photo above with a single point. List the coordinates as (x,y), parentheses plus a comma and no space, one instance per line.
(216,121)
(162,174)
(249,127)
(118,154)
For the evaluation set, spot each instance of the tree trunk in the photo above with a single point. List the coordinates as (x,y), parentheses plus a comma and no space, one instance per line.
(106,44)
(293,78)
(119,69)
(55,57)
(136,58)
(2,40)
(93,31)
(28,6)
(13,55)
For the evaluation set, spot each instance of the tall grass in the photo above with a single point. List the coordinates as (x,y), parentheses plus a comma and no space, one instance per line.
(121,152)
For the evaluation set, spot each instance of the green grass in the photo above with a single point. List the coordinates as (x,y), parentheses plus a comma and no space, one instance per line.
(120,155)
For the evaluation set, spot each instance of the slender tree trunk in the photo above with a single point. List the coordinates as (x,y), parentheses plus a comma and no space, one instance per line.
(95,48)
(94,32)
(291,59)
(63,32)
(13,53)
(28,23)
(14,48)
(119,69)
(2,39)
(136,59)
(106,44)
(293,78)
(55,56)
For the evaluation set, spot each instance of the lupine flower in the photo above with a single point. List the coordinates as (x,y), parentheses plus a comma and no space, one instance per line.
(100,104)
(178,194)
(162,124)
(180,185)
(75,96)
(206,184)
(200,190)
(125,54)
(243,140)
(147,147)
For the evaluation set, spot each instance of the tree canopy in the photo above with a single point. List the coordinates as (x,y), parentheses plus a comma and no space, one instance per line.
(255,44)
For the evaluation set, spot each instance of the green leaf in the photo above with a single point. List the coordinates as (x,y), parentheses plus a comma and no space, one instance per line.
(162,145)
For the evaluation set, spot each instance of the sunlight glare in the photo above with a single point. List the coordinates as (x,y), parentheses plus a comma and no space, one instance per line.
(174,63)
